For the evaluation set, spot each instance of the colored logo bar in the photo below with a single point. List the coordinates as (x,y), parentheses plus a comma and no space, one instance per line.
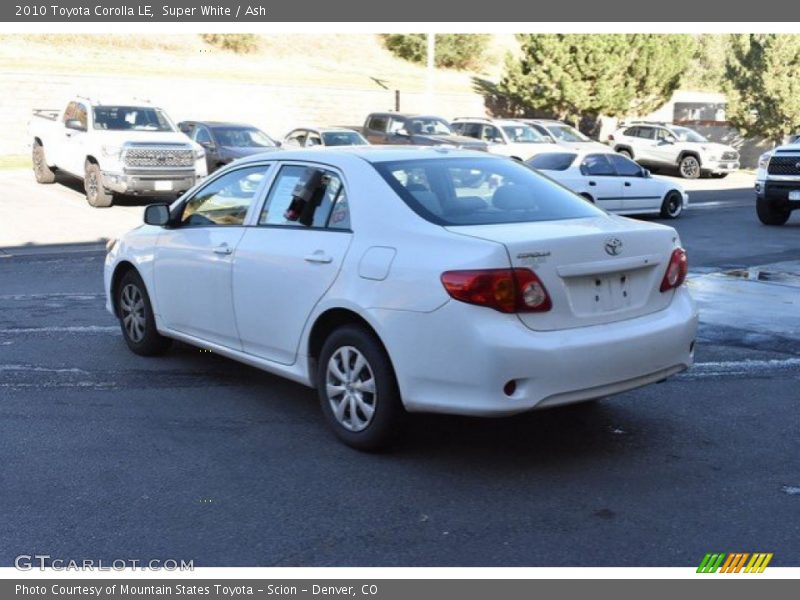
(734,562)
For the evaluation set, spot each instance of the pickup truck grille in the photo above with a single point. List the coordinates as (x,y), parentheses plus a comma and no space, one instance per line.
(730,156)
(157,157)
(784,165)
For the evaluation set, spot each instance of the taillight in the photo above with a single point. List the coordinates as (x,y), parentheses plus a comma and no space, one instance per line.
(676,270)
(506,290)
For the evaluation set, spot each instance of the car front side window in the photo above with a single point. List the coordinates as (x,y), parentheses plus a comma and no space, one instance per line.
(224,200)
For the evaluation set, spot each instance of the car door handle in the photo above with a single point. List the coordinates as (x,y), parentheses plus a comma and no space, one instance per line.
(592,183)
(319,257)
(627,184)
(223,249)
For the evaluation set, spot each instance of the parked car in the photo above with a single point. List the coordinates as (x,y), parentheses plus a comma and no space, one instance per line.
(513,139)
(116,148)
(311,137)
(661,145)
(366,272)
(416,130)
(565,135)
(225,142)
(613,182)
(778,184)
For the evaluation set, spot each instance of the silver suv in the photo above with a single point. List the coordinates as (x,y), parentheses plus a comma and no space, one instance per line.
(662,145)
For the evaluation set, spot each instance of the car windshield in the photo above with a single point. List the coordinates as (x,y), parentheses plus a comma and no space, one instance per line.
(133,118)
(524,134)
(343,138)
(430,126)
(552,161)
(481,191)
(565,133)
(684,134)
(243,137)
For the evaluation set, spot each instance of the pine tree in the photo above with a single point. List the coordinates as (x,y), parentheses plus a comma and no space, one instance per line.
(763,84)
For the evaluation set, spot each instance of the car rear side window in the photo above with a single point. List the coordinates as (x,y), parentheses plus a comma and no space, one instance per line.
(598,165)
(332,204)
(552,161)
(476,191)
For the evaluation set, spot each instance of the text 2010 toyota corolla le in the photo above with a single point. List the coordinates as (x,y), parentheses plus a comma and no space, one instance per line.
(407,279)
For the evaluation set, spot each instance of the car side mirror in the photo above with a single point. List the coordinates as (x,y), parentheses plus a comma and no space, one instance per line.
(157,214)
(74,124)
(646,173)
(404,132)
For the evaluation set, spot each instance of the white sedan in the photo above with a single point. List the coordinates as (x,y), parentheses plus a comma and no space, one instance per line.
(407,279)
(613,182)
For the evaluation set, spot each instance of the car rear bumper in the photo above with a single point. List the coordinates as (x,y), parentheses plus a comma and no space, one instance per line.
(157,183)
(458,359)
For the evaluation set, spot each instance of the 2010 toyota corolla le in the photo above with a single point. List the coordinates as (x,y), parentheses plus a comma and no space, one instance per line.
(407,279)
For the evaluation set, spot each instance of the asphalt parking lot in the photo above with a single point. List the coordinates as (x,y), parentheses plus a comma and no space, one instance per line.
(108,455)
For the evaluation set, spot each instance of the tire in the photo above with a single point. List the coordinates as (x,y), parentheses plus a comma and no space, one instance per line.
(347,397)
(768,214)
(689,167)
(672,207)
(136,317)
(719,175)
(42,172)
(626,153)
(96,195)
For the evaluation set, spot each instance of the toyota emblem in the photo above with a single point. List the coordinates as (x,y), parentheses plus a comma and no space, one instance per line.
(613,246)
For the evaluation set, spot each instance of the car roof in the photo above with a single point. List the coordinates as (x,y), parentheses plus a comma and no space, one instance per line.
(372,154)
(213,124)
(323,129)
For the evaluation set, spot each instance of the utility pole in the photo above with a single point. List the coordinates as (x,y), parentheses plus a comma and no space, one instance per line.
(429,100)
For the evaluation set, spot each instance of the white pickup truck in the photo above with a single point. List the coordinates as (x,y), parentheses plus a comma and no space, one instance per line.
(778,184)
(116,148)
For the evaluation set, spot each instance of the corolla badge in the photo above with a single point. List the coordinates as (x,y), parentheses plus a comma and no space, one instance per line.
(613,246)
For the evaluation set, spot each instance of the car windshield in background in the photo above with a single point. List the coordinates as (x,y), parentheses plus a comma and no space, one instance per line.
(552,161)
(481,191)
(131,118)
(342,138)
(684,134)
(565,133)
(243,137)
(430,127)
(523,134)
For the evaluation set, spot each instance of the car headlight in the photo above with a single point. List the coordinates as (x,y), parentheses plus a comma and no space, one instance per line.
(199,153)
(763,160)
(111,150)
(713,157)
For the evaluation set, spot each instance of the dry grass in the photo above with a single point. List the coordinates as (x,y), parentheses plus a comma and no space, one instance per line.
(334,60)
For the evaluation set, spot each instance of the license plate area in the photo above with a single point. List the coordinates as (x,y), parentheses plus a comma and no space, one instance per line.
(609,292)
(162,186)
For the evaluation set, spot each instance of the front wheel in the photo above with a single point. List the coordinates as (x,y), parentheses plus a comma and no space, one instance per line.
(96,194)
(626,153)
(358,390)
(689,167)
(672,207)
(136,317)
(769,214)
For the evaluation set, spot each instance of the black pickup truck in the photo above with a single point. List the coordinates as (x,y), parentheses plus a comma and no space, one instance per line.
(416,130)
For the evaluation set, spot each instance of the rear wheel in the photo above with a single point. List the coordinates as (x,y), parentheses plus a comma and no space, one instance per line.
(136,317)
(41,170)
(672,207)
(358,390)
(625,152)
(769,214)
(689,167)
(96,194)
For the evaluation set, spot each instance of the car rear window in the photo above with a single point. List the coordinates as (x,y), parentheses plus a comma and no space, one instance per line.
(481,191)
(552,161)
